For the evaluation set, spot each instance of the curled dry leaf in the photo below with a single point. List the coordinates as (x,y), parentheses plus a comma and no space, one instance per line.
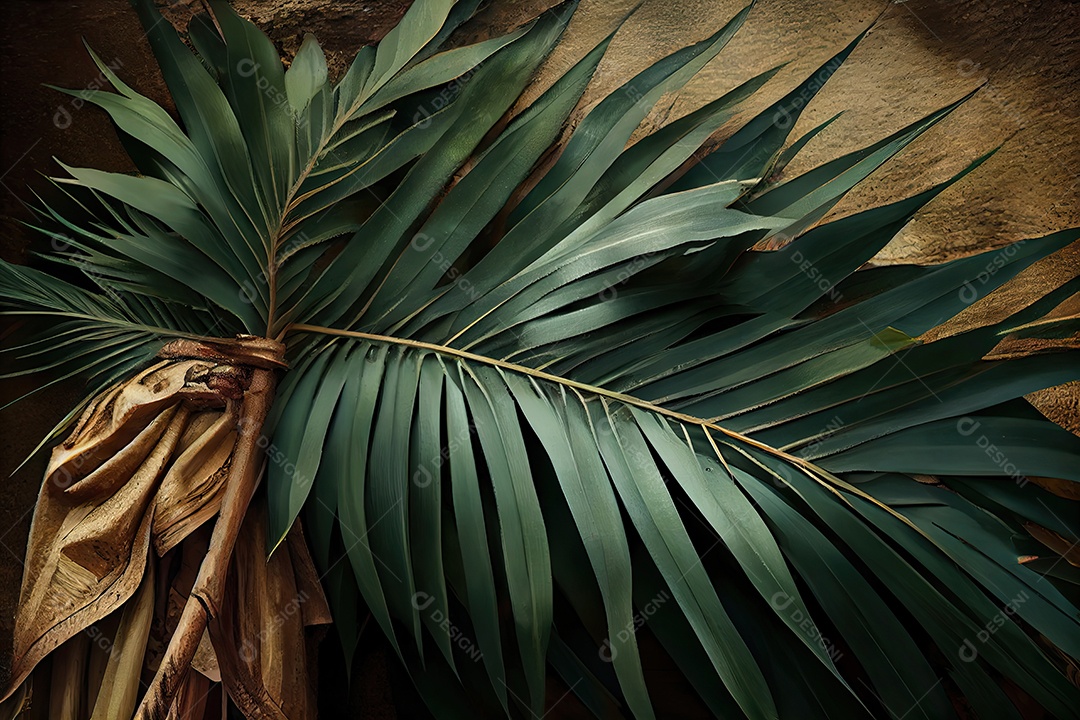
(190,493)
(259,637)
(147,465)
(1055,541)
(195,699)
(1057,486)
(119,691)
(92,525)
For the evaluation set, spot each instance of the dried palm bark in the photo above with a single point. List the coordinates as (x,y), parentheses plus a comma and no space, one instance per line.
(142,511)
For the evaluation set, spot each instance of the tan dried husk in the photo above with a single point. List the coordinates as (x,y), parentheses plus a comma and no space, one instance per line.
(196,699)
(146,466)
(1061,545)
(1062,488)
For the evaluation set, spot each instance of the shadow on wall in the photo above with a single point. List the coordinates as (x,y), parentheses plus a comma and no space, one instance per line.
(920,56)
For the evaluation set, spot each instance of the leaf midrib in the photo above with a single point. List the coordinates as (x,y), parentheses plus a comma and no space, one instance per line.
(567,382)
(824,478)
(290,204)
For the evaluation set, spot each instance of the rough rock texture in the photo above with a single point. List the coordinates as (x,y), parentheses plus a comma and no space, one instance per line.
(919,56)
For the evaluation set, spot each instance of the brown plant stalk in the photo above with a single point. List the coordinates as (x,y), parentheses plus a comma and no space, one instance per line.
(203,604)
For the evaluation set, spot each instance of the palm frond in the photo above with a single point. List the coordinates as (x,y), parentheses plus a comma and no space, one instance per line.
(543,411)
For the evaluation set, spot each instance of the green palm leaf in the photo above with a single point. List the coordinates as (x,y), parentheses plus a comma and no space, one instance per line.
(541,413)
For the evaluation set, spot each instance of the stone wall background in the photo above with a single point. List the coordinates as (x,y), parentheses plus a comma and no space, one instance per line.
(920,55)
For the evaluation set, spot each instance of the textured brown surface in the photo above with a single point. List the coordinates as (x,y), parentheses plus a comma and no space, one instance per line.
(919,56)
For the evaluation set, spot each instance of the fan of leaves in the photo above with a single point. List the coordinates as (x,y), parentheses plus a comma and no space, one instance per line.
(543,408)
